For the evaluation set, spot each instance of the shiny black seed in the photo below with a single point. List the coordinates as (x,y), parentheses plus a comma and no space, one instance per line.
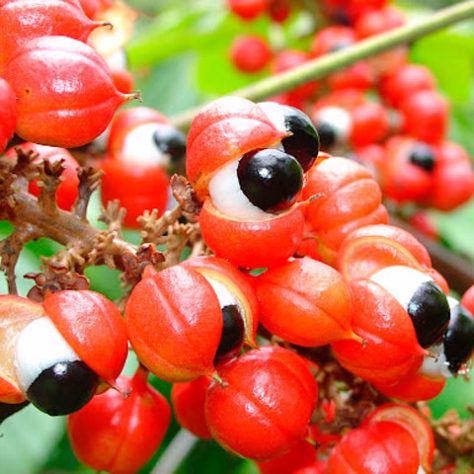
(458,341)
(232,334)
(422,155)
(303,144)
(170,141)
(429,312)
(270,179)
(327,135)
(63,388)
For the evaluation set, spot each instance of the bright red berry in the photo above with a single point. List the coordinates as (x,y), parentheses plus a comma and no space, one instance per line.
(249,415)
(65,94)
(248,9)
(250,53)
(119,431)
(7,112)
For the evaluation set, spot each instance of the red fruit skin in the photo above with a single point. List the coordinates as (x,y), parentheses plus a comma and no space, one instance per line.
(288,59)
(249,416)
(174,323)
(390,349)
(250,54)
(320,466)
(65,94)
(248,9)
(357,76)
(452,178)
(349,198)
(279,10)
(67,191)
(467,299)
(117,433)
(301,455)
(412,420)
(413,388)
(246,243)
(373,247)
(139,188)
(24,20)
(93,7)
(406,80)
(402,180)
(238,283)
(188,400)
(123,80)
(377,448)
(330,38)
(316,297)
(369,124)
(423,222)
(378,21)
(8,113)
(222,132)
(425,115)
(125,121)
(93,326)
(16,313)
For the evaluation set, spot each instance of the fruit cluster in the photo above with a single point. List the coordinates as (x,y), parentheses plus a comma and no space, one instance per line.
(65,94)
(384,111)
(237,343)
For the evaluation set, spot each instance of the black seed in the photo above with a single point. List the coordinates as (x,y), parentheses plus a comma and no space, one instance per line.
(327,135)
(170,141)
(422,155)
(232,334)
(429,312)
(303,144)
(270,179)
(63,388)
(458,341)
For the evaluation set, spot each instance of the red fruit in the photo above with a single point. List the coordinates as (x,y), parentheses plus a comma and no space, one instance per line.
(249,415)
(93,7)
(123,80)
(289,59)
(377,448)
(390,349)
(15,314)
(174,322)
(65,94)
(250,53)
(408,169)
(349,198)
(188,405)
(406,80)
(279,10)
(410,419)
(93,326)
(119,433)
(425,115)
(68,189)
(332,38)
(23,20)
(248,9)
(222,132)
(452,178)
(374,247)
(316,297)
(367,121)
(245,243)
(137,161)
(237,284)
(413,388)
(301,455)
(7,112)
(468,299)
(358,76)
(378,21)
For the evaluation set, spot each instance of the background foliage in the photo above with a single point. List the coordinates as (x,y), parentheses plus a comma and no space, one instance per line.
(179,56)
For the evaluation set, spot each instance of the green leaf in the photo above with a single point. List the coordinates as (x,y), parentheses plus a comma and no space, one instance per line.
(449,56)
(28,438)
